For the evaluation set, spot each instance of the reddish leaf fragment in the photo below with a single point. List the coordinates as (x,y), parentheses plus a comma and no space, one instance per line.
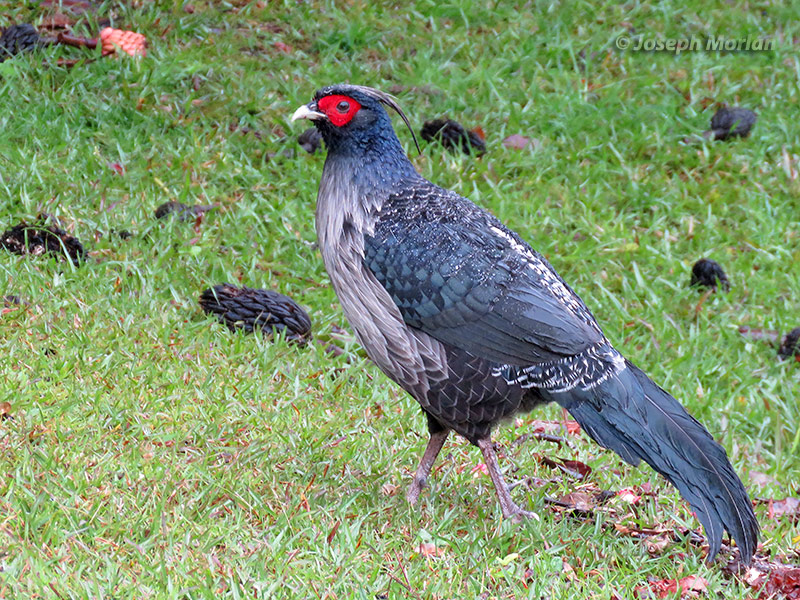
(57,21)
(334,529)
(117,168)
(573,468)
(689,587)
(430,550)
(516,141)
(629,496)
(78,6)
(554,426)
(761,479)
(282,47)
(577,466)
(782,583)
(786,507)
(693,585)
(478,469)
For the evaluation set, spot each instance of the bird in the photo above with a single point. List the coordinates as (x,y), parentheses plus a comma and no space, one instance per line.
(464,315)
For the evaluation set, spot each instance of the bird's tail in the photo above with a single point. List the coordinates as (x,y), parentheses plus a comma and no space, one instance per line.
(635,418)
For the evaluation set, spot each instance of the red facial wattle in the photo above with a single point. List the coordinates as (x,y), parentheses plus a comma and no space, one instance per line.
(340,110)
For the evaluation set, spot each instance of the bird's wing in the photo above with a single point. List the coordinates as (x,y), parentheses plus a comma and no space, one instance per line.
(456,273)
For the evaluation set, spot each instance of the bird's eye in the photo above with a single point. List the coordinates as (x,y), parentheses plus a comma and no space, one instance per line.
(343,106)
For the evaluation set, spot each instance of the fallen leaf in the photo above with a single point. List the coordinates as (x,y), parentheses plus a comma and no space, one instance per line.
(761,479)
(629,496)
(333,531)
(282,47)
(758,334)
(389,489)
(693,585)
(57,21)
(689,587)
(573,468)
(430,550)
(5,410)
(657,544)
(516,141)
(117,168)
(478,469)
(553,426)
(581,501)
(76,6)
(788,506)
(578,467)
(782,583)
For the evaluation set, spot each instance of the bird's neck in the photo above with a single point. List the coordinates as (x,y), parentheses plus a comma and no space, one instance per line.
(362,173)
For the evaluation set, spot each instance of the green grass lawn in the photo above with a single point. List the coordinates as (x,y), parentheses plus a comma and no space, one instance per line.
(154,454)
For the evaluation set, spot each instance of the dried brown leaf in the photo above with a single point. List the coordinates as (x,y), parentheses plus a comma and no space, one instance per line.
(761,479)
(581,501)
(786,507)
(57,21)
(758,334)
(688,587)
(333,531)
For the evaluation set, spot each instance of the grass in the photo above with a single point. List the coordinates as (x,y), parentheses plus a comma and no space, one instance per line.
(153,454)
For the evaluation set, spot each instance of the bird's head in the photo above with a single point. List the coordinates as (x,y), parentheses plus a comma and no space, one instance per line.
(352,116)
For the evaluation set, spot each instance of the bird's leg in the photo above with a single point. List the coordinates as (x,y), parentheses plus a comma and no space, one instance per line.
(432,450)
(507,505)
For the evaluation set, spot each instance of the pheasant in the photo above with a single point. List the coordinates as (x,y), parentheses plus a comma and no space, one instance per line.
(466,317)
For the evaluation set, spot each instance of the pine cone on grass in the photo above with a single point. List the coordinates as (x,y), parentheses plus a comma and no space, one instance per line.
(452,136)
(730,122)
(40,238)
(250,309)
(709,274)
(17,39)
(310,140)
(184,211)
(790,346)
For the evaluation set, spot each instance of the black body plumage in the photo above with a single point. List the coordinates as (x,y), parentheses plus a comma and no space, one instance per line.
(477,326)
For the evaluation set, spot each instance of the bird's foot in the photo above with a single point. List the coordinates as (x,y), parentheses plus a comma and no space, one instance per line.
(518,516)
(412,494)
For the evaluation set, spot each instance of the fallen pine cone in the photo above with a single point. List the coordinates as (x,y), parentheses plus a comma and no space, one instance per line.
(790,346)
(730,122)
(184,211)
(39,238)
(129,42)
(310,140)
(708,273)
(452,136)
(17,39)
(248,309)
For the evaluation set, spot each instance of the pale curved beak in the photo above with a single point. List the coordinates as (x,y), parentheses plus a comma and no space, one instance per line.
(304,112)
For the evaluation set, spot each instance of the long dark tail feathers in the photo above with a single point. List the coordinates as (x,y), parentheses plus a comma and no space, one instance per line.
(632,416)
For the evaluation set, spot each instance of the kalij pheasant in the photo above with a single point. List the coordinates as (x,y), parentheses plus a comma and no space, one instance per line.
(467,318)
